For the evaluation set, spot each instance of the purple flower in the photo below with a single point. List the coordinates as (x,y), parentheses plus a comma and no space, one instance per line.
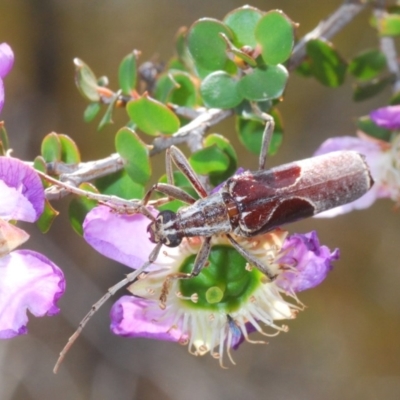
(383,162)
(6,63)
(387,117)
(28,280)
(309,261)
(217,310)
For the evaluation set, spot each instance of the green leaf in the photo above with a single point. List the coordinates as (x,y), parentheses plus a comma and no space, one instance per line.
(206,45)
(366,125)
(176,87)
(326,64)
(304,69)
(127,73)
(251,132)
(210,159)
(219,90)
(389,25)
(51,147)
(368,64)
(120,184)
(107,117)
(46,219)
(91,111)
(263,84)
(3,138)
(135,154)
(79,207)
(152,117)
(274,32)
(86,81)
(367,90)
(395,99)
(223,144)
(69,150)
(40,164)
(242,22)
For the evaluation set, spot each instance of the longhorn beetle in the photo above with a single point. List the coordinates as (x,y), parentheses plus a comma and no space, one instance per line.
(247,205)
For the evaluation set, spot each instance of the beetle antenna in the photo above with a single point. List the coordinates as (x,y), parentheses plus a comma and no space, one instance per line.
(96,306)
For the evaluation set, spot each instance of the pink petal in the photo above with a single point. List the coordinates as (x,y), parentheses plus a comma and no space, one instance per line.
(6,59)
(121,237)
(28,281)
(387,117)
(22,194)
(135,317)
(311,261)
(1,94)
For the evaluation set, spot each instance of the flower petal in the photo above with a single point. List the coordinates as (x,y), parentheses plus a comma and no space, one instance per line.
(121,237)
(10,237)
(387,117)
(135,317)
(22,194)
(28,281)
(1,94)
(6,59)
(310,262)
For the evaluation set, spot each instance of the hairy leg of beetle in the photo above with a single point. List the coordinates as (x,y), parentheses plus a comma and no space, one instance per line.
(96,306)
(116,203)
(251,259)
(199,263)
(171,191)
(266,139)
(182,163)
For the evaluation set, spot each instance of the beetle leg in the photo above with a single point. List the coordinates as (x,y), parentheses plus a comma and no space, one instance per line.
(251,259)
(199,263)
(110,292)
(171,191)
(179,159)
(266,139)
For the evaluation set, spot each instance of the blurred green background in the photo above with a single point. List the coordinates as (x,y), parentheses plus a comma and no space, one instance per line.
(344,345)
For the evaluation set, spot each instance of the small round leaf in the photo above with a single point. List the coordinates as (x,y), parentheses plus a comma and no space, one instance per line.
(91,111)
(46,219)
(251,132)
(176,87)
(326,64)
(69,150)
(135,154)
(210,159)
(51,147)
(242,22)
(223,144)
(127,73)
(86,81)
(152,117)
(367,90)
(274,33)
(79,207)
(219,90)
(120,184)
(264,84)
(368,126)
(368,64)
(206,45)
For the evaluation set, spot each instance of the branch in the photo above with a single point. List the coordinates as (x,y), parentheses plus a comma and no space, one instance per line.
(388,48)
(326,29)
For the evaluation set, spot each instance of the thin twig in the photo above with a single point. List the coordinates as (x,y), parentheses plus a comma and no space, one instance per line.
(387,46)
(326,29)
